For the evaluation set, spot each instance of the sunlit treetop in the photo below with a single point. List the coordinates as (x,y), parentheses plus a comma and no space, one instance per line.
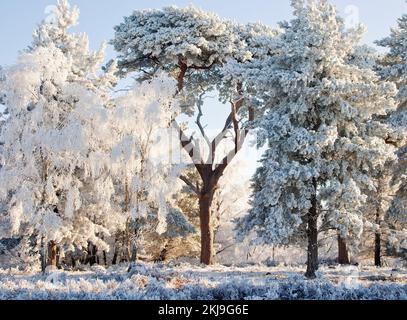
(172,35)
(86,64)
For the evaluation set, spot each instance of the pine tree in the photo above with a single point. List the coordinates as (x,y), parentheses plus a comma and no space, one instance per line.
(393,67)
(319,153)
(194,47)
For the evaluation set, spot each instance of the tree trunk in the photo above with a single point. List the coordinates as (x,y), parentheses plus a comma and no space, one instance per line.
(115,254)
(134,253)
(43,256)
(343,253)
(52,254)
(377,250)
(181,76)
(207,234)
(163,254)
(92,254)
(274,254)
(312,233)
(104,258)
(378,236)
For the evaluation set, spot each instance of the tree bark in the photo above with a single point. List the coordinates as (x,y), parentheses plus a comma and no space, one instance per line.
(73,262)
(312,233)
(104,258)
(377,251)
(115,254)
(378,237)
(343,253)
(207,235)
(163,254)
(378,241)
(134,253)
(52,254)
(43,256)
(181,76)
(92,254)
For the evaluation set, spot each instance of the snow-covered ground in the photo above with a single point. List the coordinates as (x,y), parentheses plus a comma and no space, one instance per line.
(189,282)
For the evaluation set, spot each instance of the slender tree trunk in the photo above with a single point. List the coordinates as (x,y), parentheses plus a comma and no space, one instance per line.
(378,242)
(312,233)
(58,255)
(377,251)
(343,253)
(52,256)
(43,256)
(163,254)
(379,220)
(133,249)
(92,254)
(378,237)
(274,254)
(115,254)
(104,258)
(134,253)
(207,234)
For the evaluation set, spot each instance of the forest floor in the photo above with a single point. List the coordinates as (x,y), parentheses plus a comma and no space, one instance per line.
(146,281)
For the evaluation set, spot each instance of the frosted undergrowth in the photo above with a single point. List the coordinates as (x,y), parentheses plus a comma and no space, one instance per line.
(158,282)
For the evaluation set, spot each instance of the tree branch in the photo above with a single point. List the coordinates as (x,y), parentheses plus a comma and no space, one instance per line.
(199,117)
(203,67)
(224,249)
(232,154)
(190,184)
(183,68)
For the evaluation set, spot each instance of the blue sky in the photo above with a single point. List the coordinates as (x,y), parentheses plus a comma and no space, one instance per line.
(19,17)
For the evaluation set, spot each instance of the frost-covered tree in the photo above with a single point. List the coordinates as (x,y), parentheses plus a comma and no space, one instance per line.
(319,154)
(82,170)
(186,242)
(86,64)
(45,143)
(378,200)
(193,46)
(3,110)
(2,80)
(376,221)
(55,140)
(393,67)
(394,64)
(231,203)
(145,179)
